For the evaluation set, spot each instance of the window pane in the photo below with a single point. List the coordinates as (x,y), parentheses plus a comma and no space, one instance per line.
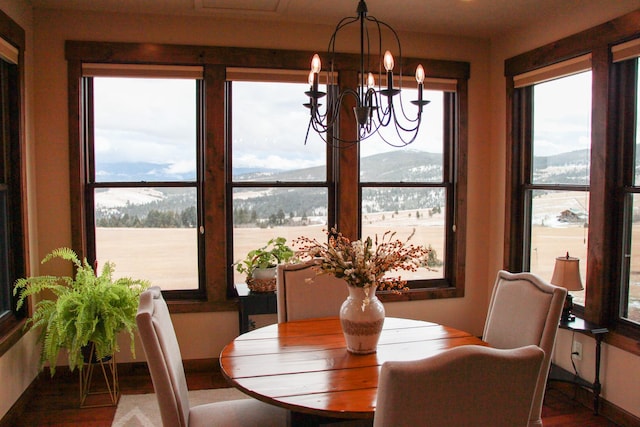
(149,233)
(631,297)
(630,307)
(261,214)
(637,132)
(269,129)
(559,224)
(420,161)
(145,129)
(562,130)
(6,288)
(404,210)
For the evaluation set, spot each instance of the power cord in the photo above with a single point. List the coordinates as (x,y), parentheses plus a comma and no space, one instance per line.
(575,369)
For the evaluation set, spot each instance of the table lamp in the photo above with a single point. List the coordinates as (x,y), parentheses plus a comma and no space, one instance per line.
(566,273)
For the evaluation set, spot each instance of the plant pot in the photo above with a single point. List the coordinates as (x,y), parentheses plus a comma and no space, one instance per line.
(264,273)
(262,280)
(362,318)
(89,354)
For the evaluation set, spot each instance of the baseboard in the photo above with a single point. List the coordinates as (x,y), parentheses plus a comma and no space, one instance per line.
(607,409)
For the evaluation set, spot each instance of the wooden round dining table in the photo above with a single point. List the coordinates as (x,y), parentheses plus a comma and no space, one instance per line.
(304,365)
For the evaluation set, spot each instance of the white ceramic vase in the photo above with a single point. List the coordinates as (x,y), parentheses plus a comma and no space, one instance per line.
(362,318)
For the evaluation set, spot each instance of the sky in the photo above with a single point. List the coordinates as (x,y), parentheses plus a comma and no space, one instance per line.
(154,120)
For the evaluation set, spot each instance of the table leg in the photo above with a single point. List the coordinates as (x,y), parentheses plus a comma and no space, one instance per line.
(596,383)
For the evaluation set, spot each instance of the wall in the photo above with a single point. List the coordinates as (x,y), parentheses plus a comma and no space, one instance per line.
(50,182)
(47,152)
(18,366)
(620,371)
(54,27)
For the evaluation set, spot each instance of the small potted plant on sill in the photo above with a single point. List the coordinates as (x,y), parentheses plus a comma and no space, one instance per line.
(260,264)
(89,311)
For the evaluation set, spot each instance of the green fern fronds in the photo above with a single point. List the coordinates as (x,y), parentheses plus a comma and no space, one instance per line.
(89,308)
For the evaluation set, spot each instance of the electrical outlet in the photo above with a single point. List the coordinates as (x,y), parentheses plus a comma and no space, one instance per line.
(576,351)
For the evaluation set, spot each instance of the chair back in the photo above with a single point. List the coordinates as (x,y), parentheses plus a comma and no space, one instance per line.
(163,358)
(300,289)
(466,386)
(524,310)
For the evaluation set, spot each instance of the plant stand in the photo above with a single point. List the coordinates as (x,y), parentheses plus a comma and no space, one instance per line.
(109,392)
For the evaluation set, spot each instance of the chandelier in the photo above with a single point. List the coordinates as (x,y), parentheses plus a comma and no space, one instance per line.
(374,108)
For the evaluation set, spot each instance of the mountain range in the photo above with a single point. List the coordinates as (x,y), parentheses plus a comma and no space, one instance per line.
(261,203)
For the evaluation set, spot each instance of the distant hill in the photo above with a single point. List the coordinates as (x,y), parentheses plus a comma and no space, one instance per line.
(259,204)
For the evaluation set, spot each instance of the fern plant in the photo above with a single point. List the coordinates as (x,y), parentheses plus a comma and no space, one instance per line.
(88,308)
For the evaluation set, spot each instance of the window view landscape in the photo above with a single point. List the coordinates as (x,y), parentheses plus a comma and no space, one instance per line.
(151,231)
(561,156)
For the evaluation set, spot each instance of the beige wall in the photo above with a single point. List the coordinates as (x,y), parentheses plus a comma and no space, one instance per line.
(53,28)
(18,366)
(486,151)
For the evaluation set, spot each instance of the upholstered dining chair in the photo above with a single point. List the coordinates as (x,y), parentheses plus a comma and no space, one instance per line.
(470,385)
(302,293)
(525,309)
(167,374)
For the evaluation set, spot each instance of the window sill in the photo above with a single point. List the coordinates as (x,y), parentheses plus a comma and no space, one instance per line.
(420,294)
(195,306)
(13,333)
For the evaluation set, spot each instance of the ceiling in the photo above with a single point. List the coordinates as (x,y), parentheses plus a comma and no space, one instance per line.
(473,18)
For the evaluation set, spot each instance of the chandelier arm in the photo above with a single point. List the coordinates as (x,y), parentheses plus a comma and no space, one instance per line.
(343,23)
(399,125)
(380,23)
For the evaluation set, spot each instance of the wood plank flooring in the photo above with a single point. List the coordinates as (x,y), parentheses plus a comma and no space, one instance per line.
(54,401)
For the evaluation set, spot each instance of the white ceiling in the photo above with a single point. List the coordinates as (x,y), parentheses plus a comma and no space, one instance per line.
(474,18)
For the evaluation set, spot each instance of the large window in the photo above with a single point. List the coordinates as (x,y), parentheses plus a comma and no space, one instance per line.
(628,307)
(12,218)
(556,194)
(409,190)
(279,185)
(574,171)
(228,169)
(143,176)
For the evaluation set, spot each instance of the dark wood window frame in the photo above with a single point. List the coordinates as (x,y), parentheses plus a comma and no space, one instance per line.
(605,210)
(13,181)
(215,60)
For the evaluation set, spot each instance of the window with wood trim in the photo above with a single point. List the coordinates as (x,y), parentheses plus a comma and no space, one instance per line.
(597,173)
(627,95)
(12,218)
(410,190)
(235,160)
(143,179)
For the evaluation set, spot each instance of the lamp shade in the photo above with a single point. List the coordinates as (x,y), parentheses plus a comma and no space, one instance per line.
(566,273)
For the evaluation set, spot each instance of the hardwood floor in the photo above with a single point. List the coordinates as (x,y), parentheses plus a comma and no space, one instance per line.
(55,401)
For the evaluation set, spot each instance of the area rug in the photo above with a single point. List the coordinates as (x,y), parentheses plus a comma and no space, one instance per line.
(141,410)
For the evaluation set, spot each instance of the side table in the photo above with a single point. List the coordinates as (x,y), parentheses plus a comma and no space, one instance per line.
(250,303)
(558,374)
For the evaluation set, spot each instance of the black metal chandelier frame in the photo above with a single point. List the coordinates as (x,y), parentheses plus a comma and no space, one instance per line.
(374,108)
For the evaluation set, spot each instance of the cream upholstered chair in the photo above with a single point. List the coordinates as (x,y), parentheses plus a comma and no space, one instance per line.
(525,309)
(469,385)
(167,373)
(302,293)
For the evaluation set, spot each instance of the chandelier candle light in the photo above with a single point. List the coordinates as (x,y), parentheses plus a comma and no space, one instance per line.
(374,109)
